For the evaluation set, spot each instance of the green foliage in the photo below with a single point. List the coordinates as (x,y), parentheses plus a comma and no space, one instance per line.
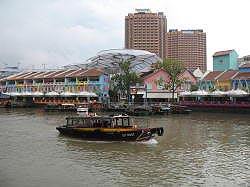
(174,68)
(246,89)
(123,80)
(194,88)
(212,89)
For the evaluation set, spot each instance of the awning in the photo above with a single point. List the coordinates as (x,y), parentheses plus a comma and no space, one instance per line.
(52,94)
(159,95)
(67,94)
(87,94)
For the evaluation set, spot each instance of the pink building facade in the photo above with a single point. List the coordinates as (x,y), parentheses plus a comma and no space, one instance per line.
(153,80)
(156,80)
(188,81)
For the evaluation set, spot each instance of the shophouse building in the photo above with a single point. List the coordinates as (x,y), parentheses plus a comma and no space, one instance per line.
(209,81)
(225,60)
(155,89)
(75,86)
(219,80)
(242,78)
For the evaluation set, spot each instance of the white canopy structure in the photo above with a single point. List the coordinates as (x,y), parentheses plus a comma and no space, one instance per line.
(218,93)
(66,94)
(25,94)
(185,93)
(13,93)
(87,94)
(237,92)
(37,94)
(109,59)
(53,93)
(199,93)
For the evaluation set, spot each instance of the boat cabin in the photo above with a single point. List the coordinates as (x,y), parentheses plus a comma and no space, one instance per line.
(100,122)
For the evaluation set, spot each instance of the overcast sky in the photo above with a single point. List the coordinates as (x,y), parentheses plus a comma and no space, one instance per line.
(61,32)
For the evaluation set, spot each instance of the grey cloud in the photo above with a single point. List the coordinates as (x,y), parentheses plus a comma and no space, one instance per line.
(53,32)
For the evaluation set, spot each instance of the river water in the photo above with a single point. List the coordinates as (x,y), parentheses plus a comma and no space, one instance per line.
(200,149)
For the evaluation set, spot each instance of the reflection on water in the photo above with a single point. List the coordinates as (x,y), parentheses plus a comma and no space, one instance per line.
(196,150)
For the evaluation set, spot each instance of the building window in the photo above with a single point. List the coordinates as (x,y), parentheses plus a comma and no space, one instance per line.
(160,83)
(149,85)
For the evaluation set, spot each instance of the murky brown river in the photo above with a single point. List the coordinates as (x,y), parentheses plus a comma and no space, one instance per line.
(200,149)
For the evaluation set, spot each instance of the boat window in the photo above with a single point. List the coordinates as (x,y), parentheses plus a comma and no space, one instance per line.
(75,122)
(69,122)
(121,122)
(125,122)
(88,123)
(106,123)
(82,122)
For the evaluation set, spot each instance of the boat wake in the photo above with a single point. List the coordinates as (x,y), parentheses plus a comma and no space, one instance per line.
(150,142)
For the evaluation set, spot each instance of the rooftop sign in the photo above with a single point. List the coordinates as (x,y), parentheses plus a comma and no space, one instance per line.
(144,10)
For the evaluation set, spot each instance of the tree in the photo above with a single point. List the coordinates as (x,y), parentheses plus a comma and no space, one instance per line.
(123,80)
(174,68)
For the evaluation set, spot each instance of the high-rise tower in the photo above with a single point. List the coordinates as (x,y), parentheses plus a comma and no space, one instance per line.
(188,46)
(145,30)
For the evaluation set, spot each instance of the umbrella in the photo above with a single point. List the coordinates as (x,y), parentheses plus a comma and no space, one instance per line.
(68,94)
(218,93)
(37,94)
(87,94)
(199,93)
(237,92)
(185,93)
(13,93)
(26,94)
(83,93)
(91,94)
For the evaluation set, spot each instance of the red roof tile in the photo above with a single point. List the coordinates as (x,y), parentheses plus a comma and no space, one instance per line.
(91,73)
(63,74)
(20,76)
(55,74)
(242,76)
(227,75)
(220,53)
(75,73)
(212,75)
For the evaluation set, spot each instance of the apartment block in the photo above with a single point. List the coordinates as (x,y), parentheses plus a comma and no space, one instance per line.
(145,30)
(188,46)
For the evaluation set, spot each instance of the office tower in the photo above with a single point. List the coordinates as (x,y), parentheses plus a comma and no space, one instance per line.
(145,30)
(188,46)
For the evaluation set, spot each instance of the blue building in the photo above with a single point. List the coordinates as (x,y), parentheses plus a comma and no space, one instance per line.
(225,60)
(242,79)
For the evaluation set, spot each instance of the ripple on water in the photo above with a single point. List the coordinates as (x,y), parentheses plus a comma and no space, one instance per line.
(196,150)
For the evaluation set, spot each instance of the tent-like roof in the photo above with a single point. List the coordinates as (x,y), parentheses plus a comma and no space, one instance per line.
(109,59)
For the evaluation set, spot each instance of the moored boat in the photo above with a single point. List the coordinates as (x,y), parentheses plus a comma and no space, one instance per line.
(179,109)
(65,107)
(107,128)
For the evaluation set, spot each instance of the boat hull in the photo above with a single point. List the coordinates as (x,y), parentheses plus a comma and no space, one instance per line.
(107,134)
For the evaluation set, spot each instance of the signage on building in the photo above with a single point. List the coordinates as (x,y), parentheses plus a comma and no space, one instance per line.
(144,10)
